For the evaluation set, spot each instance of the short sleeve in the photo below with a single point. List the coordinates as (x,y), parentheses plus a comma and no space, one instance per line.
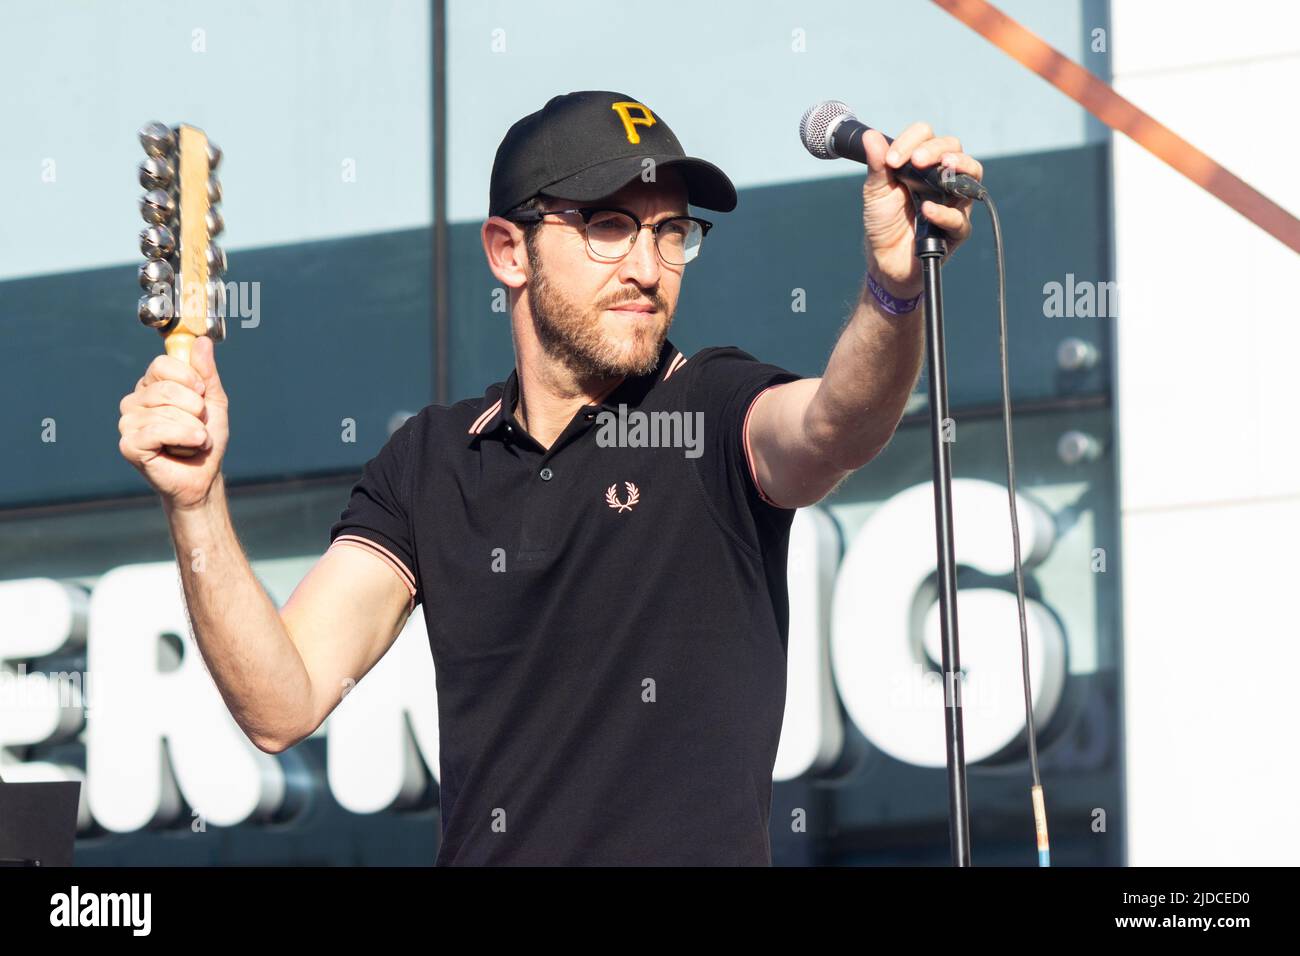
(723,383)
(377,517)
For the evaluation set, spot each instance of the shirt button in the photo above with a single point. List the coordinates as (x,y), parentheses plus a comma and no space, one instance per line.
(545,474)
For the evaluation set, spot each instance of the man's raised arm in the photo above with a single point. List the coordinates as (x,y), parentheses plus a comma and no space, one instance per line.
(280,672)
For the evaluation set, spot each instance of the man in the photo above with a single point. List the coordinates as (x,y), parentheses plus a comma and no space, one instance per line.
(600,540)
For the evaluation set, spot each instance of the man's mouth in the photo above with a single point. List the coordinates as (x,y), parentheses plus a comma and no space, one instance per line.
(635,309)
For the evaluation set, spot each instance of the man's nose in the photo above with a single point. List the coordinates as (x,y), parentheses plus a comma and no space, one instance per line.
(642,261)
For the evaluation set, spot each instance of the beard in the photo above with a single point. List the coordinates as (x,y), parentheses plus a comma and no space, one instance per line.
(574,335)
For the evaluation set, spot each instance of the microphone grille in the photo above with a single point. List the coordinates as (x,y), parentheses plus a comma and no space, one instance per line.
(817,124)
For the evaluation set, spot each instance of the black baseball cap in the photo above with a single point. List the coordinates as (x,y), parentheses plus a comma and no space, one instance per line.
(588,144)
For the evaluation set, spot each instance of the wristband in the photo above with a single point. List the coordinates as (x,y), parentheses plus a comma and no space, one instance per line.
(891,304)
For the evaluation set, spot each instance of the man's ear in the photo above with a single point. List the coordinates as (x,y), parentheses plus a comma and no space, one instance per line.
(507,255)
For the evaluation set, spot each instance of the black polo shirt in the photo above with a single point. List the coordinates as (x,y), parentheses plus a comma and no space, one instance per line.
(608,617)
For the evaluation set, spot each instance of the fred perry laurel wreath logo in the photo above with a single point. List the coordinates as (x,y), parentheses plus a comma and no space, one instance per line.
(612,499)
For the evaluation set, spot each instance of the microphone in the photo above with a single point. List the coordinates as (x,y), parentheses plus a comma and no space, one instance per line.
(829,130)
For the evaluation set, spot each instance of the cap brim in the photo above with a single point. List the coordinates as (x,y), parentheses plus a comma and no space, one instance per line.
(707,186)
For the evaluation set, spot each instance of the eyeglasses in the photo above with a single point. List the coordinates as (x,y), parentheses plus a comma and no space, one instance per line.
(611,233)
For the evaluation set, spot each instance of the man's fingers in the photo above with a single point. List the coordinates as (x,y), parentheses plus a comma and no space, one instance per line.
(928,153)
(964,163)
(159,433)
(875,147)
(167,392)
(166,368)
(952,220)
(142,418)
(906,141)
(204,361)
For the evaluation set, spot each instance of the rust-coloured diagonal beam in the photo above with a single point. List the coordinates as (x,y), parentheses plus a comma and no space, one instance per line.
(1099,99)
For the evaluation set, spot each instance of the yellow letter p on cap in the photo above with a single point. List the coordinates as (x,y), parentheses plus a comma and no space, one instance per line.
(630,122)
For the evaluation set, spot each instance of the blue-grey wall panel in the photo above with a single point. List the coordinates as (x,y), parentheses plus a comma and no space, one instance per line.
(343,331)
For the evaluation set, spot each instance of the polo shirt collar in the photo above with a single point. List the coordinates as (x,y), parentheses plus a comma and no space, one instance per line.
(495,408)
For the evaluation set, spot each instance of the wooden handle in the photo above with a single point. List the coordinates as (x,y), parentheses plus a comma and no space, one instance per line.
(192,283)
(178,344)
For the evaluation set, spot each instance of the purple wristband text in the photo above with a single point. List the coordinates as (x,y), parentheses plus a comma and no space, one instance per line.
(891,304)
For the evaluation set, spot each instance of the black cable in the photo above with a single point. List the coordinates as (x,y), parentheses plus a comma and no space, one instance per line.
(1036,791)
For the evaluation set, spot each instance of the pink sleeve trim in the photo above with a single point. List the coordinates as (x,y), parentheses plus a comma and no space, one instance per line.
(357,541)
(749,452)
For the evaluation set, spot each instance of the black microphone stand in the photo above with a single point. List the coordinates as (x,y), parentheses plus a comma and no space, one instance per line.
(931,248)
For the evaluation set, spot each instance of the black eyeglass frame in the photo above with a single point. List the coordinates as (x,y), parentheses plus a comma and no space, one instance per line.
(586,212)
